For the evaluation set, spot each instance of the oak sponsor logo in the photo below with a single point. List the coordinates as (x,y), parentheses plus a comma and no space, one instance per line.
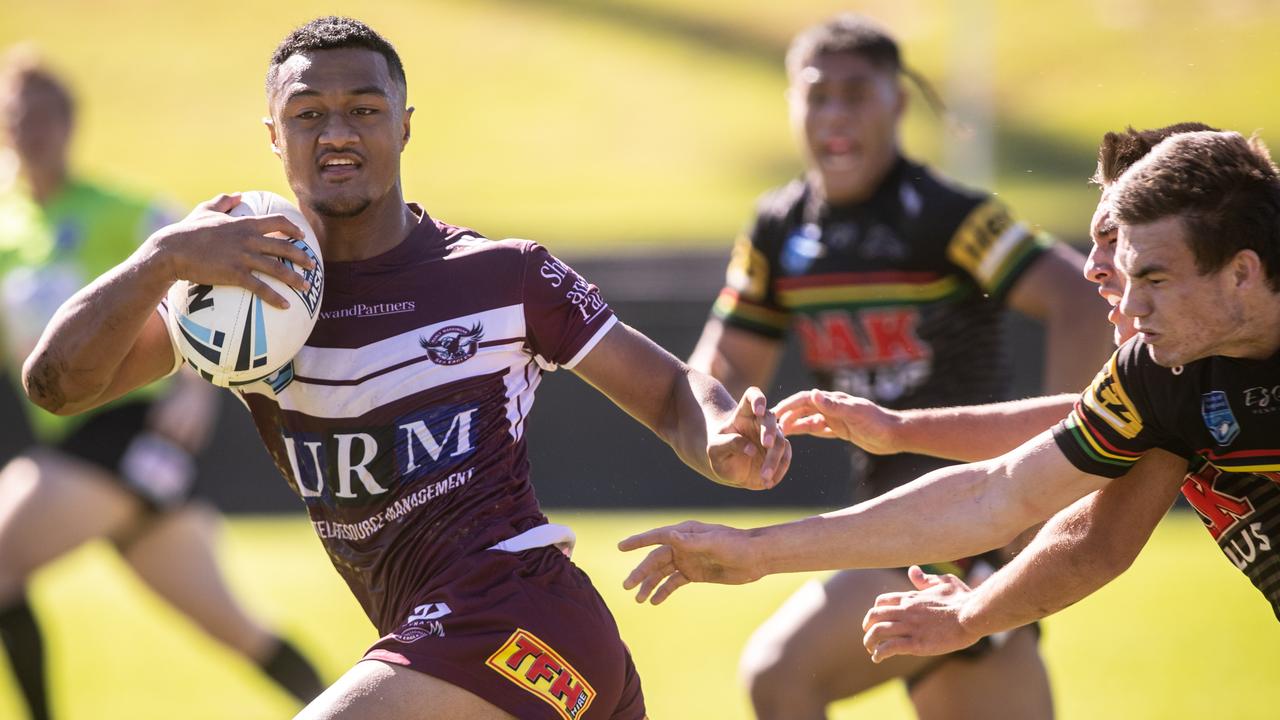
(530,663)
(1107,399)
(871,337)
(1227,515)
(1220,510)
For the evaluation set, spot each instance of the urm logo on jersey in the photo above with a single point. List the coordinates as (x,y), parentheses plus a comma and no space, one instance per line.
(358,465)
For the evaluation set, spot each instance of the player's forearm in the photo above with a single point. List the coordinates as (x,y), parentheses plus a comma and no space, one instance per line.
(952,512)
(1058,568)
(84,345)
(978,432)
(696,404)
(967,513)
(1079,550)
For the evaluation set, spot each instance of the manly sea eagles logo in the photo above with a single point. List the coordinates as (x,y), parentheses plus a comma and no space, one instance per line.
(453,344)
(1218,417)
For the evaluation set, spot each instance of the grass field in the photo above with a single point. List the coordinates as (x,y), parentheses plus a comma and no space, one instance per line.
(1182,635)
(590,123)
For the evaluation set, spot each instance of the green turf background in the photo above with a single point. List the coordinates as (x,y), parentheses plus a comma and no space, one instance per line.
(1181,635)
(591,123)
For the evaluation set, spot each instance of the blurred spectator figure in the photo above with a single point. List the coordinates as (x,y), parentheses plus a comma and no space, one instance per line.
(126,472)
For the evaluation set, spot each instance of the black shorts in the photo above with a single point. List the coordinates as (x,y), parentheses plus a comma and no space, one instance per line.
(150,467)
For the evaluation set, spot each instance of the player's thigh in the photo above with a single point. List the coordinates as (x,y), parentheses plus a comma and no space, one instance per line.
(815,639)
(49,504)
(374,690)
(176,556)
(1009,681)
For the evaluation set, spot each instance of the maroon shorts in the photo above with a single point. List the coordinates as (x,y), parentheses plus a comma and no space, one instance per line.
(525,631)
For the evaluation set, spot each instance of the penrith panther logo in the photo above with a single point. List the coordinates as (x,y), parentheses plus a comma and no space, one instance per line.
(453,344)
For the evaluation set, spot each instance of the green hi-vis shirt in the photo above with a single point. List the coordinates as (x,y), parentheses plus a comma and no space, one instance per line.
(49,253)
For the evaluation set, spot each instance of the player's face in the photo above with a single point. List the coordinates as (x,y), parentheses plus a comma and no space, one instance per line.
(847,110)
(339,123)
(38,125)
(1181,314)
(1100,268)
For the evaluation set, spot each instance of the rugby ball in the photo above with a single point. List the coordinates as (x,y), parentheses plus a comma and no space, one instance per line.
(228,334)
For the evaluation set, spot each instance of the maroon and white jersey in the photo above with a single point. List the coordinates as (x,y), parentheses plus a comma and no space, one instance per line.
(401,422)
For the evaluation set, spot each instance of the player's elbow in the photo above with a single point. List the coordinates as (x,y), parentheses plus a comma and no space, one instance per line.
(1102,555)
(43,377)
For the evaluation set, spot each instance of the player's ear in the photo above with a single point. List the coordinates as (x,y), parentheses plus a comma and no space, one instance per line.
(1247,269)
(271,130)
(405,122)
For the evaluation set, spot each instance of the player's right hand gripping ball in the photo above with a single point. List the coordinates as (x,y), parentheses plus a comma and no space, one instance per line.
(228,334)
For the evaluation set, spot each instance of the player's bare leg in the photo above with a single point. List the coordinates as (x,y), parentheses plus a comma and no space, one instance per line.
(176,557)
(374,690)
(49,505)
(1008,682)
(809,653)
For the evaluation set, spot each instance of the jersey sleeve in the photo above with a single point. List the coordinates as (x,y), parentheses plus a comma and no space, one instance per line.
(163,311)
(1113,423)
(994,248)
(747,301)
(565,315)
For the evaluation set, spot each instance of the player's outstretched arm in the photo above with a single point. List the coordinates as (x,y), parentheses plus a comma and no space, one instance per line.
(733,443)
(1078,551)
(108,339)
(941,432)
(953,512)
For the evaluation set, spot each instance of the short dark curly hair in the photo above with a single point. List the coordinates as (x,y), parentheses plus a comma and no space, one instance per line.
(849,33)
(1225,188)
(331,33)
(1120,150)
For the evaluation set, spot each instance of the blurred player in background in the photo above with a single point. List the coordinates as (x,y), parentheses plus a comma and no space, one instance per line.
(126,472)
(401,422)
(896,282)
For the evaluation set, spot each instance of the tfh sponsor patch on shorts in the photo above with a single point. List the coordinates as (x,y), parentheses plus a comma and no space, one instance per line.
(530,663)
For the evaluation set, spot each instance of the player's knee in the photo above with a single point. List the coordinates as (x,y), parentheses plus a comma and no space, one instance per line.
(772,673)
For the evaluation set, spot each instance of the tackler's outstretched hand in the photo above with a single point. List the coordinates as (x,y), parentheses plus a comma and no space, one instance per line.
(925,621)
(828,414)
(748,449)
(689,552)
